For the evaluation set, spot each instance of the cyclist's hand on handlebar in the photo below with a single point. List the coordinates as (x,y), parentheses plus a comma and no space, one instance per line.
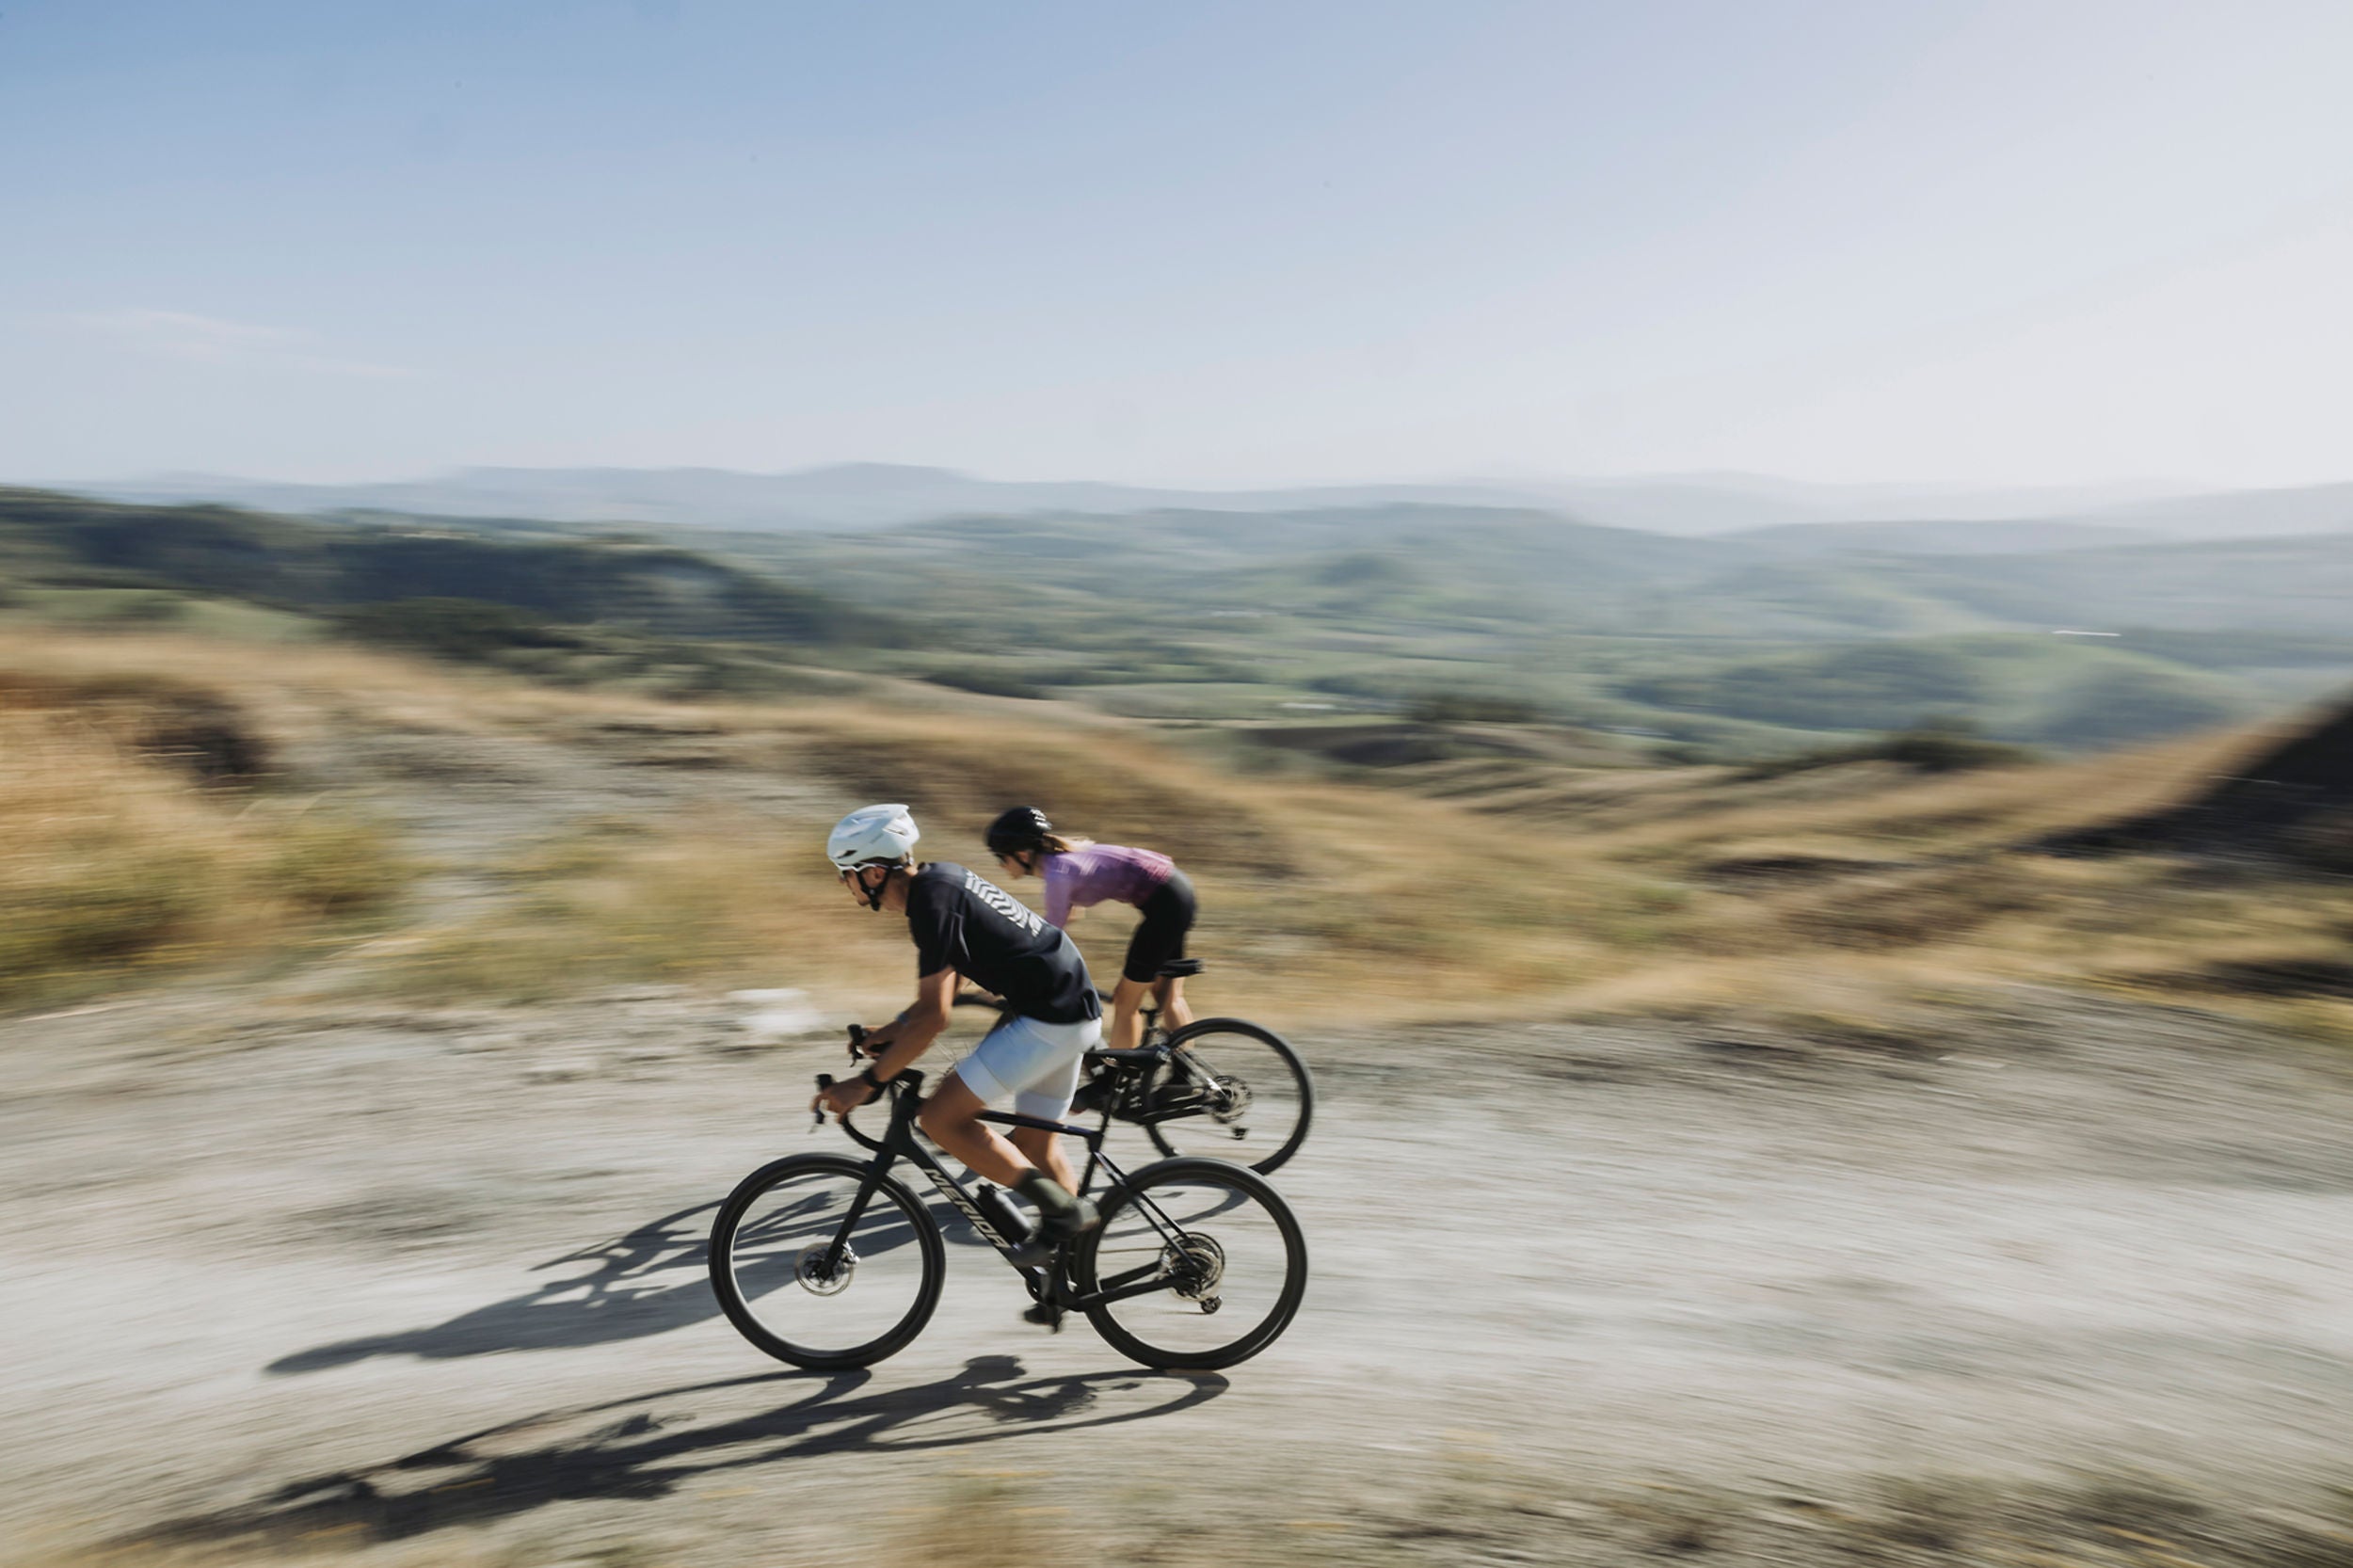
(840,1099)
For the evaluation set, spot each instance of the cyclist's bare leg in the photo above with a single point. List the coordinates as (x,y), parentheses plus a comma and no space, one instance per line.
(1043,1149)
(1127,1031)
(1176,1013)
(950,1118)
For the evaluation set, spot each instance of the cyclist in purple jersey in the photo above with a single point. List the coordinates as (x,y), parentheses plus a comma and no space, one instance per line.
(1078,873)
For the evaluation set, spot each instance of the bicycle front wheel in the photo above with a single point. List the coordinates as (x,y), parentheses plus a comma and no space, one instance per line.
(1214,1257)
(802,1280)
(1230,1089)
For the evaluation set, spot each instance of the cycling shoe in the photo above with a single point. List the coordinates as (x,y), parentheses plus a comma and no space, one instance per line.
(1092,1095)
(1056,1231)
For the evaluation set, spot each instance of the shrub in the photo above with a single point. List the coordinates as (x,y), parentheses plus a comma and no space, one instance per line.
(1870,685)
(468,629)
(191,727)
(328,864)
(1472,708)
(988,682)
(2119,704)
(1941,743)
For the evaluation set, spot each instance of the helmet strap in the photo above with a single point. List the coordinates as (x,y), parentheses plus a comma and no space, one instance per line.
(874,894)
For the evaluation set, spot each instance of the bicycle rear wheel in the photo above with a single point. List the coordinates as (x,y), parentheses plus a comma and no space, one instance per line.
(1222,1253)
(1232,1090)
(790,1290)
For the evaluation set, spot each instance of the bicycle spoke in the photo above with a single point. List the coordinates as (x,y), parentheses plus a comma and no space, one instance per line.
(1230,1092)
(1198,1264)
(815,1272)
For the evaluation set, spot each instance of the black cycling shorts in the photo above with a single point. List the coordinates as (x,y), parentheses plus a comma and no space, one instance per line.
(1160,939)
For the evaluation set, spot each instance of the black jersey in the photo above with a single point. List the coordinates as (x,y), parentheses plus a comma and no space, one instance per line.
(962,921)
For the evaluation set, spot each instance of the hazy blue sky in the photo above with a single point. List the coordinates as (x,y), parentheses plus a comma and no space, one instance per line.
(1194,242)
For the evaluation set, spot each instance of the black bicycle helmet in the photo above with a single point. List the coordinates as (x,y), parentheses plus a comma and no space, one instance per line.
(1024,827)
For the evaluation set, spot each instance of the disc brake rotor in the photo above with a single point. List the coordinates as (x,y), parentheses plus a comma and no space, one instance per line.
(1221,1096)
(1195,1265)
(814,1277)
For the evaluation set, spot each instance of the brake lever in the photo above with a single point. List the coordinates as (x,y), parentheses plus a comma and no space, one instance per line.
(824,1082)
(858,1041)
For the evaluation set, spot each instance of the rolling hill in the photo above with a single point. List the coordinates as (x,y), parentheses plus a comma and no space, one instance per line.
(1726,647)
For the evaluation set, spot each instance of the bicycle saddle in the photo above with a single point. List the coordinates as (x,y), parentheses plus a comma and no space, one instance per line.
(1127,1058)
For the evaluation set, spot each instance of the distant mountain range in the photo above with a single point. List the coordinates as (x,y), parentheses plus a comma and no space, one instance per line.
(1906,520)
(1988,536)
(1737,503)
(842,498)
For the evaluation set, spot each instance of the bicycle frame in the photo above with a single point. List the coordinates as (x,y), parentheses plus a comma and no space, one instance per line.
(900,1141)
(1148,1014)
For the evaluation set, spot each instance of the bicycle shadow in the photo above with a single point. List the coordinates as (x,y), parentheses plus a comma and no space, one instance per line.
(598,1451)
(646,1281)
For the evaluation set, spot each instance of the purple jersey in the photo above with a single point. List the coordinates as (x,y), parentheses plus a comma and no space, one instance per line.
(1098,872)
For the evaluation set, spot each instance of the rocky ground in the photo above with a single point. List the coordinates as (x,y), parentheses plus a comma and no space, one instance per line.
(2064,1281)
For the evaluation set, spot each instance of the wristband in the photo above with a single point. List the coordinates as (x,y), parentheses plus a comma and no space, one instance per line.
(866,1076)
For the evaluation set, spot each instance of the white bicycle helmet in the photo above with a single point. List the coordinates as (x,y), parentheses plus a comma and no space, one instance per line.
(873,836)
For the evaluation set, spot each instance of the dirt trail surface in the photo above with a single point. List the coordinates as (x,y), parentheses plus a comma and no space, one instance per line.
(338,1279)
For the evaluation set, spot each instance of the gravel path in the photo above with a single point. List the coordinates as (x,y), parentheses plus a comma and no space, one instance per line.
(361,1279)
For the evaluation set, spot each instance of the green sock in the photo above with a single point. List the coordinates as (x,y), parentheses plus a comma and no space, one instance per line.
(1048,1195)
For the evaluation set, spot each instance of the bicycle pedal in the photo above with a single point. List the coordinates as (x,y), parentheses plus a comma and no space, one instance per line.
(1046,1314)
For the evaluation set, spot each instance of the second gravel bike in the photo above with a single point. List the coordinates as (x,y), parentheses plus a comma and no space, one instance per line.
(827,1261)
(1220,1087)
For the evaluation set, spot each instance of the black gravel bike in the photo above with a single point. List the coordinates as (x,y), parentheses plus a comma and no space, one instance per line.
(1220,1087)
(827,1261)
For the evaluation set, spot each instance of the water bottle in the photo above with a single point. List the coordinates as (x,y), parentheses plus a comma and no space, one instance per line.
(1002,1213)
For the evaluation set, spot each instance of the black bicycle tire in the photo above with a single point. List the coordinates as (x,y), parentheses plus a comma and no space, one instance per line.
(901,1335)
(1291,1059)
(1197,1167)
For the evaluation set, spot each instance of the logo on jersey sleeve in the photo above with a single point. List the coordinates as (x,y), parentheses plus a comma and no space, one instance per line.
(1005,903)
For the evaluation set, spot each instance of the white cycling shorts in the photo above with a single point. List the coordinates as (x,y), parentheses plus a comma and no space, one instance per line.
(1032,1062)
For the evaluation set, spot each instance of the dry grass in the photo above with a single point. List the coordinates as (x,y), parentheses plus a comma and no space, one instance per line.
(1318,900)
(1457,1505)
(721,900)
(112,863)
(1838,895)
(1845,909)
(1331,902)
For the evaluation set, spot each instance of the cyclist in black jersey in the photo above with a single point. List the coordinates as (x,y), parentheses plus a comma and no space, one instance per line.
(964,925)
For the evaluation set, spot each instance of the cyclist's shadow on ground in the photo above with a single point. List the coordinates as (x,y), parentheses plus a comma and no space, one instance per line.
(628,1448)
(646,1281)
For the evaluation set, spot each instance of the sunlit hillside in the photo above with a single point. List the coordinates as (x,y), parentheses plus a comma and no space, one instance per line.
(407,827)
